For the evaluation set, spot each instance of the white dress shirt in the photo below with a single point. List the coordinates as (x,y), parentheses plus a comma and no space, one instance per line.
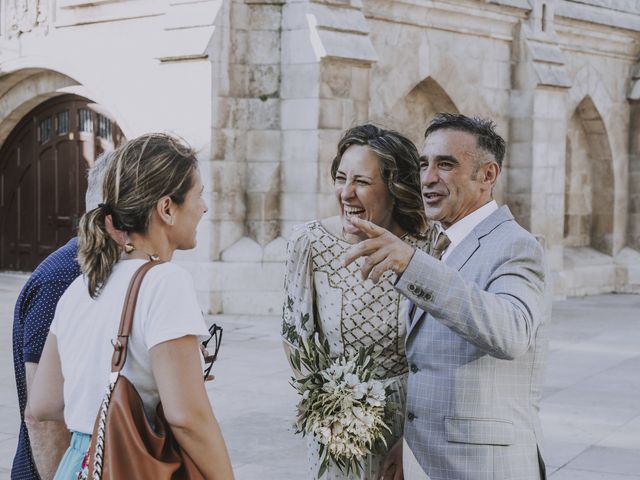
(463,227)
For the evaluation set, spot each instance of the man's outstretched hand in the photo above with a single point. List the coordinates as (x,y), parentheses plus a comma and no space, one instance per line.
(383,251)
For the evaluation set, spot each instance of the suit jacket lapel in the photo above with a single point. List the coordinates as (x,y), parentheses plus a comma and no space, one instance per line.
(463,252)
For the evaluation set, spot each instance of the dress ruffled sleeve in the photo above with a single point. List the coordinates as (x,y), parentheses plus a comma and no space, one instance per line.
(297,312)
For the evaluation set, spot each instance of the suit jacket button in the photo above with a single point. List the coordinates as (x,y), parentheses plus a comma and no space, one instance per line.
(418,291)
(414,368)
(428,296)
(412,287)
(410,416)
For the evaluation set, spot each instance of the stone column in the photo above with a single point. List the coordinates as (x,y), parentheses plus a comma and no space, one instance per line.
(263,120)
(326,59)
(633,232)
(536,161)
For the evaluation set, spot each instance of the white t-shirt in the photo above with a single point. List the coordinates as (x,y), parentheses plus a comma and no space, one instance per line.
(167,309)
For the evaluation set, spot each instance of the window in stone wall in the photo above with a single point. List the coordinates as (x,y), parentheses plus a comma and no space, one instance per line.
(104,128)
(62,120)
(85,120)
(44,130)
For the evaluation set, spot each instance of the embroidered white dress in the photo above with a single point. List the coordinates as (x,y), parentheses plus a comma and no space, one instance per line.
(324,296)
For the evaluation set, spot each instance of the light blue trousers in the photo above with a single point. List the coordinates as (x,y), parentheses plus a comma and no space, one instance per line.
(71,462)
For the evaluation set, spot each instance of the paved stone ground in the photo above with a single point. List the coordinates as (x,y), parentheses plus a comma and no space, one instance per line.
(590,411)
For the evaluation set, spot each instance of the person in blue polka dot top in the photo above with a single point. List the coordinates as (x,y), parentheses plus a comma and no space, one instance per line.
(42,444)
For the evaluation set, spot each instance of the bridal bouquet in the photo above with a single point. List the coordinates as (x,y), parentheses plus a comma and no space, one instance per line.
(342,404)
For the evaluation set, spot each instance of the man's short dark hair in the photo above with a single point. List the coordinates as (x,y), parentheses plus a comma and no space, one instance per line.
(483,128)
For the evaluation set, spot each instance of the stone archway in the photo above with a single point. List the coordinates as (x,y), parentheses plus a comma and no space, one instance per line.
(412,113)
(589,189)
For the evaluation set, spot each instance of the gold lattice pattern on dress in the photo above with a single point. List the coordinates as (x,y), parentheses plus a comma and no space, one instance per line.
(369,313)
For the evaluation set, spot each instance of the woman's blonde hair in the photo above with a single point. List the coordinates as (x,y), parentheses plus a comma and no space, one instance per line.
(140,172)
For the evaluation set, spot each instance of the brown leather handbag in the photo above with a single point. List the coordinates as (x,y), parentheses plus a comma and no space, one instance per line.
(124,444)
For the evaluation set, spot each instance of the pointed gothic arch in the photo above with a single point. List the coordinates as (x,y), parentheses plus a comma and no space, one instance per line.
(589,181)
(411,114)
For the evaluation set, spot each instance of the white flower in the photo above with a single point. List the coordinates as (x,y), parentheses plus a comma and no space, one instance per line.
(363,416)
(375,393)
(351,380)
(360,391)
(324,435)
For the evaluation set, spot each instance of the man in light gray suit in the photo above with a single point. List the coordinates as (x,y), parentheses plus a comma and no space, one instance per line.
(476,341)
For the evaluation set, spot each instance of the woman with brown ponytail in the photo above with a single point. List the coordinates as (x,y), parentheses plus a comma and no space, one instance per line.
(152,195)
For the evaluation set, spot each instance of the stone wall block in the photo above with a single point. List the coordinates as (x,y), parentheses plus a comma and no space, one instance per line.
(325,182)
(297,207)
(519,180)
(294,14)
(227,232)
(263,145)
(238,50)
(326,205)
(300,80)
(227,206)
(360,113)
(334,113)
(300,114)
(519,154)
(360,82)
(504,75)
(299,177)
(263,80)
(338,113)
(263,114)
(490,74)
(250,276)
(221,112)
(335,80)
(262,205)
(264,231)
(239,114)
(264,47)
(299,145)
(275,251)
(328,147)
(240,15)
(265,17)
(520,206)
(244,250)
(332,16)
(263,176)
(238,79)
(521,130)
(226,176)
(287,226)
(296,47)
(520,104)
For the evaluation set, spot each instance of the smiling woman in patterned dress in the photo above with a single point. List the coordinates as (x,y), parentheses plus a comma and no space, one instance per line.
(376,178)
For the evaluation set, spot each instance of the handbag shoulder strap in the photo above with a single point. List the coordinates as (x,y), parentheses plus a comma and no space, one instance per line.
(126,319)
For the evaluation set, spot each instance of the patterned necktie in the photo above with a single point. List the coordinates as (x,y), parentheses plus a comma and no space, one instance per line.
(441,244)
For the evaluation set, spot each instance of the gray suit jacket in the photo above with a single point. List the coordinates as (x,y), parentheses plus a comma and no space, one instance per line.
(477,355)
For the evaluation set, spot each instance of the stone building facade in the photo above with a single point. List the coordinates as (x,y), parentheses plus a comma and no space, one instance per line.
(264,88)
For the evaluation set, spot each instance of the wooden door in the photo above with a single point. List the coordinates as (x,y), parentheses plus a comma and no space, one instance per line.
(43,166)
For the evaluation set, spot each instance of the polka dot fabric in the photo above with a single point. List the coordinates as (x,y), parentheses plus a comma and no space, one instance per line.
(32,316)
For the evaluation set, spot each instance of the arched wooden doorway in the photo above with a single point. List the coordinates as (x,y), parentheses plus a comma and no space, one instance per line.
(43,167)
